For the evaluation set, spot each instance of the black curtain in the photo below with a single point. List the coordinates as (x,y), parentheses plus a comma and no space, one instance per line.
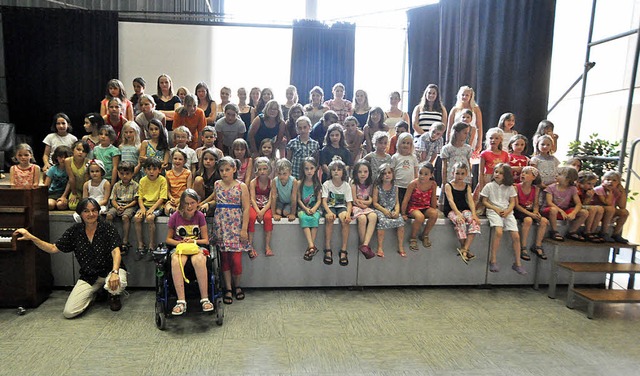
(322,55)
(57,60)
(500,48)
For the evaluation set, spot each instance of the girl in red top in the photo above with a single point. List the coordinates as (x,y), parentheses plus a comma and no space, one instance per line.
(260,210)
(419,203)
(517,160)
(527,210)
(490,157)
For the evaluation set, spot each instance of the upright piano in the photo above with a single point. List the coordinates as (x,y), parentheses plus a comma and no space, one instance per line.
(25,270)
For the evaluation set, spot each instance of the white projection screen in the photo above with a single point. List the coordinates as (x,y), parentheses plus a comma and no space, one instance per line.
(231,56)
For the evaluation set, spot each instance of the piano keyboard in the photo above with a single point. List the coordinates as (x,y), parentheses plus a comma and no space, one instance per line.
(5,239)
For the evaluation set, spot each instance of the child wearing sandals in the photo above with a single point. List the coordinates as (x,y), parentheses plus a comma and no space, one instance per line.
(420,203)
(309,201)
(387,207)
(563,202)
(460,208)
(337,201)
(527,211)
(283,192)
(499,197)
(188,225)
(230,223)
(260,193)
(613,196)
(362,191)
(586,181)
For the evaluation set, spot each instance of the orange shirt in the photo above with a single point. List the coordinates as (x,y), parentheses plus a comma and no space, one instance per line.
(195,123)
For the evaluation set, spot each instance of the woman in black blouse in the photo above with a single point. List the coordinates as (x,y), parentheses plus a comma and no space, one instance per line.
(96,245)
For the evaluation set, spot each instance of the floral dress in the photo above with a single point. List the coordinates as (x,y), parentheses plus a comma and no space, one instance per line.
(387,199)
(363,192)
(227,220)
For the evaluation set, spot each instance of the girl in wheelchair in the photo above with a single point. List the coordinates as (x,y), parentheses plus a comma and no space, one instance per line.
(187,234)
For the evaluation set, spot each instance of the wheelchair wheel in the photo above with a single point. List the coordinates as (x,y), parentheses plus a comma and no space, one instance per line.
(161,320)
(219,312)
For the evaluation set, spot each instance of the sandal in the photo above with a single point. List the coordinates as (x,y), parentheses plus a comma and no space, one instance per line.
(239,294)
(328,257)
(253,254)
(309,253)
(180,308)
(413,244)
(268,252)
(470,256)
(425,241)
(575,236)
(380,253)
(402,253)
(228,297)
(462,253)
(207,306)
(555,235)
(594,238)
(124,248)
(538,251)
(524,254)
(344,260)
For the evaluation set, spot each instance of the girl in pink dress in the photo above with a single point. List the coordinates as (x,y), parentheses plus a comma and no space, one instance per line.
(362,192)
(230,225)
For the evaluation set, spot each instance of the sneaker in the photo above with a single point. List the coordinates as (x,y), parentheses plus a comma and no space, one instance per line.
(114,302)
(140,252)
(619,239)
(493,267)
(519,269)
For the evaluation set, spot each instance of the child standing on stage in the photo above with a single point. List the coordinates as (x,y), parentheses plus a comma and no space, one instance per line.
(57,179)
(491,157)
(379,156)
(156,146)
(179,178)
(387,208)
(230,224)
(267,150)
(506,123)
(353,138)
(76,166)
(206,176)
(528,211)
(240,151)
(546,163)
(283,191)
(124,201)
(460,208)
(499,197)
(130,146)
(107,153)
(260,193)
(362,193)
(563,202)
(208,137)
(301,147)
(405,164)
(309,201)
(420,203)
(152,193)
(26,174)
(334,146)
(430,143)
(181,138)
(337,201)
(517,147)
(92,123)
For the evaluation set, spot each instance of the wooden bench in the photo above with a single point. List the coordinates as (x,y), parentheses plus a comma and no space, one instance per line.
(593,296)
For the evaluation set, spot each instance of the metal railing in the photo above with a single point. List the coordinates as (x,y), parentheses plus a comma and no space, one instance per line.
(630,169)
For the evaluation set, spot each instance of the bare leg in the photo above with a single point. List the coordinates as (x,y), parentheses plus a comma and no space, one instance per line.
(371,227)
(137,222)
(126,226)
(345,230)
(515,240)
(432,217)
(418,220)
(362,227)
(328,232)
(526,226)
(380,251)
(578,221)
(151,220)
(622,214)
(495,242)
(401,240)
(267,241)
(308,236)
(199,263)
(178,282)
(542,230)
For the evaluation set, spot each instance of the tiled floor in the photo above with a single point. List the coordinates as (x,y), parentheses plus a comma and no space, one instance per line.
(468,331)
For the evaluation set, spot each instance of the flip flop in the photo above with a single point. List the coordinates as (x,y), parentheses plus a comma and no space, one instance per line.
(461,252)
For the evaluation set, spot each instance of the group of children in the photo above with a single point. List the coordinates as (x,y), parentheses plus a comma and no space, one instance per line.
(341,172)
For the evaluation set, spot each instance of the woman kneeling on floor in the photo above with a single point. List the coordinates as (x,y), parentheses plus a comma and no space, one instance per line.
(187,233)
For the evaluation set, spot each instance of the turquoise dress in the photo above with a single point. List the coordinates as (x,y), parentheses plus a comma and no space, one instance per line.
(309,199)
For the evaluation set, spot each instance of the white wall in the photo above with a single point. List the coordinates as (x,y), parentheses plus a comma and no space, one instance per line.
(219,56)
(607,83)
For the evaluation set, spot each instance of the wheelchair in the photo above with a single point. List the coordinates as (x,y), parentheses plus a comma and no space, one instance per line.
(165,292)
